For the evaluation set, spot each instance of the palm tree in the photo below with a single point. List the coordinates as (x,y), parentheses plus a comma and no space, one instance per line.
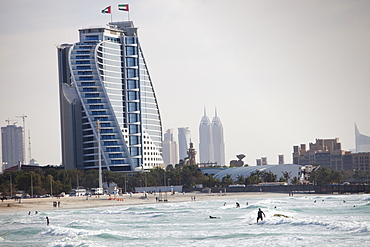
(286,176)
(227,180)
(240,179)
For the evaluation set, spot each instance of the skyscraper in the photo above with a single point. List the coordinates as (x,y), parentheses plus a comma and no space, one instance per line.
(362,141)
(12,146)
(170,153)
(205,140)
(106,94)
(184,136)
(218,140)
(211,141)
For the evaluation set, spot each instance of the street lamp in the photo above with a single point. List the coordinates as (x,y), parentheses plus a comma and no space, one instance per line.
(31,186)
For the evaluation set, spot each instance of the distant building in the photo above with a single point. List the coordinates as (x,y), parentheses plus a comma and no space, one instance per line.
(258,162)
(325,152)
(218,141)
(205,140)
(264,161)
(211,141)
(170,155)
(281,159)
(12,146)
(184,136)
(356,161)
(362,141)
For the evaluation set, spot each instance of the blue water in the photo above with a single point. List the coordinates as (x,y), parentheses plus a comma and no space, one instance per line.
(328,222)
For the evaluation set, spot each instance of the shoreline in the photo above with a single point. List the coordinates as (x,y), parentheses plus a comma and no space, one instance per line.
(80,202)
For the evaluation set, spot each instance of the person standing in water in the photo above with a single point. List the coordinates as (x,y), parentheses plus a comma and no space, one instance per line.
(47,221)
(260,213)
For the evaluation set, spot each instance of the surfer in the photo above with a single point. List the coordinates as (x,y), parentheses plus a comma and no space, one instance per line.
(47,220)
(260,213)
(237,205)
(213,217)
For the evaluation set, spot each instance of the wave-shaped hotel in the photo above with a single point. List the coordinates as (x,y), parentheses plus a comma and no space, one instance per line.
(107,101)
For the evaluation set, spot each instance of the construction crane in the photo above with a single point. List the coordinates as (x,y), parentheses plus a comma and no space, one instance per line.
(24,137)
(10,120)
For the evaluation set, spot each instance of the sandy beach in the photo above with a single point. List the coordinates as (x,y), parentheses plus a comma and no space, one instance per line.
(46,204)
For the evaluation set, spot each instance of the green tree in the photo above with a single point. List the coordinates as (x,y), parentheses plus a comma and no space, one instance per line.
(210,181)
(227,180)
(268,176)
(295,181)
(253,179)
(286,176)
(240,179)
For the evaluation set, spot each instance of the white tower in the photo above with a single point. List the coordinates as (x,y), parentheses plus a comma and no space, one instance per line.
(184,136)
(205,140)
(218,141)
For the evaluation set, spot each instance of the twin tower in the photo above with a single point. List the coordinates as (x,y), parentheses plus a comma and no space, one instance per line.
(211,141)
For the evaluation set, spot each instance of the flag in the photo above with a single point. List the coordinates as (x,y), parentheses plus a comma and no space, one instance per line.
(123,7)
(106,10)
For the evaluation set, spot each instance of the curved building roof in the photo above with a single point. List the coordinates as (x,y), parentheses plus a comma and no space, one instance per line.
(245,171)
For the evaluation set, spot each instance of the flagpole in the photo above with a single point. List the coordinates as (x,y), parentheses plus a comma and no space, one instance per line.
(128,13)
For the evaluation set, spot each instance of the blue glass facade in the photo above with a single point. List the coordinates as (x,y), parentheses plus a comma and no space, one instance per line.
(112,84)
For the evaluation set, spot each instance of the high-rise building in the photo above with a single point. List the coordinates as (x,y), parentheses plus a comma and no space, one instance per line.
(184,139)
(211,141)
(325,152)
(362,141)
(107,101)
(12,146)
(170,154)
(205,140)
(218,141)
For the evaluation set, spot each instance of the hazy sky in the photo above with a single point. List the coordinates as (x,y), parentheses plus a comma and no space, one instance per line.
(280,73)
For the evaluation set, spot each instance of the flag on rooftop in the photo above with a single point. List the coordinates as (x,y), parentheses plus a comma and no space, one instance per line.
(123,7)
(106,10)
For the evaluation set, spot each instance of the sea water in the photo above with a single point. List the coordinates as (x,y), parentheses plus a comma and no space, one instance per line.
(327,220)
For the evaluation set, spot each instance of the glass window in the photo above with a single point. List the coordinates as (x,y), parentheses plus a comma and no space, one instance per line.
(92,37)
(134,129)
(130,50)
(132,107)
(130,61)
(134,151)
(130,40)
(134,140)
(132,117)
(132,95)
(131,84)
(131,73)
(135,162)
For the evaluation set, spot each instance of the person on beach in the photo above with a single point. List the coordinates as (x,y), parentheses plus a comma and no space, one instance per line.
(47,220)
(260,213)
